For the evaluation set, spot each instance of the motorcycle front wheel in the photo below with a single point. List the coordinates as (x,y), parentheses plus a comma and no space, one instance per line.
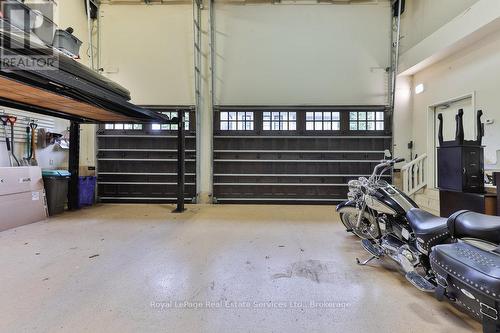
(368,229)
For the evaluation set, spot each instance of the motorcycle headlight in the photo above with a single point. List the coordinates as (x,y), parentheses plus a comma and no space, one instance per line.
(354,186)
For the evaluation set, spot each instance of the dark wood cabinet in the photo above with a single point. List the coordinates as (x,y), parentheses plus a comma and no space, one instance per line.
(461,171)
(460,168)
(451,202)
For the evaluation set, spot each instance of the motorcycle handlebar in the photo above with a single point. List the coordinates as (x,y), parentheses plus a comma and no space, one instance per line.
(384,164)
(390,162)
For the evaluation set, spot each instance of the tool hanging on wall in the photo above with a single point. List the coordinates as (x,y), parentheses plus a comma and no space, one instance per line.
(50,138)
(5,121)
(33,160)
(43,140)
(26,160)
(62,140)
(12,120)
(28,139)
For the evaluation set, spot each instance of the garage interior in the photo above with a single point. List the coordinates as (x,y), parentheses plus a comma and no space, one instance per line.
(175,166)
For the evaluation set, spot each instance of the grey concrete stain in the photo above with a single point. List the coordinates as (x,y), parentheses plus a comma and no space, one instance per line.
(313,270)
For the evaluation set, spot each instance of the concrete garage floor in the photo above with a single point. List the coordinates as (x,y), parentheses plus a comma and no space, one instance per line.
(140,268)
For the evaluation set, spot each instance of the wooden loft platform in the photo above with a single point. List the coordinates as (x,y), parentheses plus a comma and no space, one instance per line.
(60,101)
(37,98)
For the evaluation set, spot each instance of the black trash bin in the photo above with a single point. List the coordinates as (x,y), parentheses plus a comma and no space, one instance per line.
(56,189)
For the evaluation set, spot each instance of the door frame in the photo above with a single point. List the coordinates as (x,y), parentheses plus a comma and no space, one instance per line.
(431,133)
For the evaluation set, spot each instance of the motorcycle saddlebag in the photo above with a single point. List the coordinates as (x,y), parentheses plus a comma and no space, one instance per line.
(471,277)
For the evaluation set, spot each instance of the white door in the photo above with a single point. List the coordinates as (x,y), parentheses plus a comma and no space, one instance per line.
(449,111)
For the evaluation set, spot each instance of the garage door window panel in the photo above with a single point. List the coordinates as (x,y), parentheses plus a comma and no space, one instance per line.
(123,126)
(171,127)
(366,121)
(322,121)
(236,121)
(279,121)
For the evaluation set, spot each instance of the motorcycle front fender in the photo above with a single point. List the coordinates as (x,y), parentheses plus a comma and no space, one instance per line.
(348,206)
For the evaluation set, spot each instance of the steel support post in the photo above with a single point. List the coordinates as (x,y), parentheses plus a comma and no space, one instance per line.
(74,165)
(181,163)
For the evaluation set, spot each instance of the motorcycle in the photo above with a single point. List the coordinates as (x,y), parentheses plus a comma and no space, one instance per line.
(457,258)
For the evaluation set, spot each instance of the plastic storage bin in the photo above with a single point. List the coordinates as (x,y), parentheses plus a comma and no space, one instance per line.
(65,41)
(86,191)
(46,31)
(56,189)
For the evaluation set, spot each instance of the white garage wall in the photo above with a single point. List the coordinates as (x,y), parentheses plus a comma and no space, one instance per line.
(402,131)
(266,54)
(423,17)
(474,69)
(149,50)
(310,54)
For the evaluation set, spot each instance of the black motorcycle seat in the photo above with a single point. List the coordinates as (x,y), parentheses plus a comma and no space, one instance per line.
(469,224)
(428,228)
(423,222)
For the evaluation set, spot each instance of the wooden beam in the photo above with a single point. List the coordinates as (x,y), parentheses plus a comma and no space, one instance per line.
(30,95)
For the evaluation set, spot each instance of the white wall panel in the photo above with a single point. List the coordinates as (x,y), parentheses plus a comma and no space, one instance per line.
(403,128)
(311,54)
(266,54)
(149,50)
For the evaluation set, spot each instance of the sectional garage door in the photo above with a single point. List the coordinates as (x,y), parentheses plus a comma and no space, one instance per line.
(138,162)
(295,154)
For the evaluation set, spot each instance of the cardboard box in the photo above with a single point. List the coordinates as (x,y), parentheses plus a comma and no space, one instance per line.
(22,208)
(86,171)
(20,179)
